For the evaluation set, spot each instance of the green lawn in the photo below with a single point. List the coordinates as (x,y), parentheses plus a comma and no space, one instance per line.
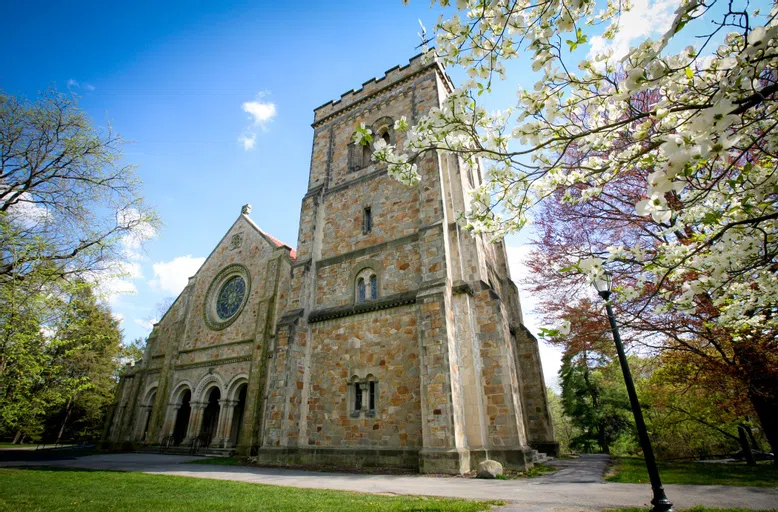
(633,470)
(47,489)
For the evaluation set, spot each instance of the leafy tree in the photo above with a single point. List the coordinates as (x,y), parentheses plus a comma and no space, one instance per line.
(65,200)
(132,351)
(89,344)
(27,309)
(564,430)
(694,129)
(595,402)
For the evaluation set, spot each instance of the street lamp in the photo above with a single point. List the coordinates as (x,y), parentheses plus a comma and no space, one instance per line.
(660,502)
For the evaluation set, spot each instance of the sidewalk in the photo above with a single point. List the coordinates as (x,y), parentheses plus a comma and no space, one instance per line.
(537,494)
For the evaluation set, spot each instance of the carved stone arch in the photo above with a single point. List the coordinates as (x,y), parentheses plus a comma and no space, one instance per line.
(206,383)
(150,390)
(372,264)
(235,384)
(384,125)
(178,391)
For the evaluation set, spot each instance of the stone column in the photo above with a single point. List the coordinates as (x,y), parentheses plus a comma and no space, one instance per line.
(170,421)
(195,419)
(224,430)
(141,422)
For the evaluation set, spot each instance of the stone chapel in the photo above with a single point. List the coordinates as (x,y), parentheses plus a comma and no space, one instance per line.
(389,337)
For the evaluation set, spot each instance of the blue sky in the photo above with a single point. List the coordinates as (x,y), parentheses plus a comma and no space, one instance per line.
(191,84)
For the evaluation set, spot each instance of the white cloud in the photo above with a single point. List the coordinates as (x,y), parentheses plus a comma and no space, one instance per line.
(260,112)
(172,276)
(117,316)
(646,18)
(27,213)
(75,84)
(550,356)
(248,140)
(117,278)
(146,324)
(140,232)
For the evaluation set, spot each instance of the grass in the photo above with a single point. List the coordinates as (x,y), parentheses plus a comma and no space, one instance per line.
(693,509)
(536,470)
(46,489)
(633,470)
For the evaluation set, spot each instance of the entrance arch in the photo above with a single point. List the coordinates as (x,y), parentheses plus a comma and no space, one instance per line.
(237,414)
(182,418)
(211,416)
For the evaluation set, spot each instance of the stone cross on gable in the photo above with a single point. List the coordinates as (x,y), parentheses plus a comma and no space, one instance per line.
(246,209)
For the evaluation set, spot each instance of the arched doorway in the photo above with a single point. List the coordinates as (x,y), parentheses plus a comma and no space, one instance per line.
(182,418)
(237,414)
(210,416)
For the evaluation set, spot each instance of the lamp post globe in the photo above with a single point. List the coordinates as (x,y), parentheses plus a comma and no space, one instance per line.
(604,286)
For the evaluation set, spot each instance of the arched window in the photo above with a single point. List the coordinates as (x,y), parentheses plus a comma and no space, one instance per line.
(361,290)
(366,286)
(383,128)
(373,287)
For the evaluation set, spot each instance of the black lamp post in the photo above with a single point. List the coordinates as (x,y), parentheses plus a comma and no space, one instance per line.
(660,502)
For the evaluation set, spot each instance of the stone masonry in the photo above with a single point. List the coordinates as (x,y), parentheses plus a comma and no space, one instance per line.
(391,337)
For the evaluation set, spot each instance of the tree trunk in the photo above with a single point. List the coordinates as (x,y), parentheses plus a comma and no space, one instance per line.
(745,447)
(64,421)
(766,407)
(754,444)
(17,437)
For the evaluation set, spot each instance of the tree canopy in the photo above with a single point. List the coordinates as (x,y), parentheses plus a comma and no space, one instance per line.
(67,202)
(669,149)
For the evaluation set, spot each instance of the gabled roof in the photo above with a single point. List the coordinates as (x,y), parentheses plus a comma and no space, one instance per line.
(275,241)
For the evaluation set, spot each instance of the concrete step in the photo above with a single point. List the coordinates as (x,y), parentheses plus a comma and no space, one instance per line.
(187,450)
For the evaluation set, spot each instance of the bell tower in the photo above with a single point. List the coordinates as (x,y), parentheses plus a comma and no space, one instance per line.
(402,341)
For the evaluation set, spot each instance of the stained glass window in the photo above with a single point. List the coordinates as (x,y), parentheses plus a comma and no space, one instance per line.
(230,297)
(360,290)
(373,287)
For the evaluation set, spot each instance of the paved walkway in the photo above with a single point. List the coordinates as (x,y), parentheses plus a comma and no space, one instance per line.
(549,493)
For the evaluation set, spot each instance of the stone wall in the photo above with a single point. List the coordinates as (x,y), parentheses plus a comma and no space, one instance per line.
(381,346)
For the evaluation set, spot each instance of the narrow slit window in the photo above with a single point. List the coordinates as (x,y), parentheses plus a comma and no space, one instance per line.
(357,397)
(371,395)
(367,220)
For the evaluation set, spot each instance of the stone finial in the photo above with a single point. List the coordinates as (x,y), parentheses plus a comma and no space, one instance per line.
(246,209)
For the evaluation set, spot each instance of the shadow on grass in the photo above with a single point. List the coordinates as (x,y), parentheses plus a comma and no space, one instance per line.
(633,470)
(55,488)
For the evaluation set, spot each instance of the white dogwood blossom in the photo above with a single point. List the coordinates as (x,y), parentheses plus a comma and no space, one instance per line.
(700,123)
